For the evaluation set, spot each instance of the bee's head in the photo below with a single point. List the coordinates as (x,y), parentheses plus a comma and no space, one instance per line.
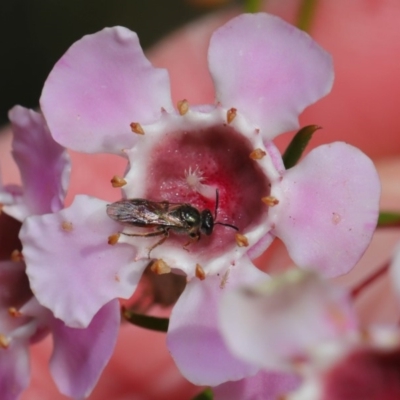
(207,222)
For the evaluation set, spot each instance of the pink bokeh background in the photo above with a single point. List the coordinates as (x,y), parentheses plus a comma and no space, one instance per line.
(364,39)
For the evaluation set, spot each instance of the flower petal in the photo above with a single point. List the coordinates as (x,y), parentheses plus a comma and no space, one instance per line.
(328,208)
(80,355)
(43,164)
(14,370)
(71,267)
(194,339)
(269,70)
(273,323)
(99,87)
(265,385)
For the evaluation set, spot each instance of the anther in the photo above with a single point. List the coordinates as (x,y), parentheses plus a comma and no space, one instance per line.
(241,240)
(113,239)
(183,106)
(257,154)
(231,114)
(4,341)
(118,181)
(200,273)
(14,312)
(137,128)
(160,267)
(270,201)
(67,226)
(16,256)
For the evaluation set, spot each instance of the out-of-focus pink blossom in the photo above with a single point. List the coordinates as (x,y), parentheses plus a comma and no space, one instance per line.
(44,168)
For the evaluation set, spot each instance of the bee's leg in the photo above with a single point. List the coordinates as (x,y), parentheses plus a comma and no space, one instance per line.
(165,232)
(194,237)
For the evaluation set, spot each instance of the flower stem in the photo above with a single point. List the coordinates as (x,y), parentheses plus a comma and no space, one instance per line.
(306,14)
(146,321)
(252,6)
(206,394)
(368,281)
(297,145)
(388,218)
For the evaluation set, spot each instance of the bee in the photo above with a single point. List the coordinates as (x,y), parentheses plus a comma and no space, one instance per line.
(164,217)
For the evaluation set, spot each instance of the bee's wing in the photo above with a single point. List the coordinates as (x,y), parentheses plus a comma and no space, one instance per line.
(142,213)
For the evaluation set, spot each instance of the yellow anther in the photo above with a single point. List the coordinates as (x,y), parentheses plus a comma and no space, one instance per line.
(231,114)
(113,239)
(118,181)
(4,341)
(183,106)
(67,226)
(16,256)
(160,267)
(14,312)
(200,272)
(241,240)
(257,154)
(137,128)
(270,201)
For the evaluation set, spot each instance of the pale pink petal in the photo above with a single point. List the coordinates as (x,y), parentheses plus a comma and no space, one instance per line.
(269,70)
(328,208)
(275,322)
(43,164)
(265,385)
(80,355)
(194,338)
(14,370)
(99,87)
(72,269)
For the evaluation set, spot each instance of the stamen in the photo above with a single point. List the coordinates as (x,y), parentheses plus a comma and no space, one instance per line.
(241,240)
(257,154)
(224,279)
(16,256)
(270,201)
(118,181)
(231,114)
(113,239)
(137,128)
(183,106)
(67,226)
(4,341)
(160,267)
(14,312)
(200,273)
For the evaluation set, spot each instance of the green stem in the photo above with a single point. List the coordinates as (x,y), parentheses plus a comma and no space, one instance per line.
(388,218)
(298,144)
(206,394)
(252,6)
(146,321)
(306,14)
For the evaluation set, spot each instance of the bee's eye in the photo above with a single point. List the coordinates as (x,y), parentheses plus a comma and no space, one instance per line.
(193,235)
(207,222)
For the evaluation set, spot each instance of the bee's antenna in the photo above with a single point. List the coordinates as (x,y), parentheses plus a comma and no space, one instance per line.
(216,211)
(229,225)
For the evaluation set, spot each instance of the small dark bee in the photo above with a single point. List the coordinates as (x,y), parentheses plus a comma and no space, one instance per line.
(165,216)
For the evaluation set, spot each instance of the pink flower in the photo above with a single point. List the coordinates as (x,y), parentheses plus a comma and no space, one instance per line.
(302,323)
(265,73)
(44,168)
